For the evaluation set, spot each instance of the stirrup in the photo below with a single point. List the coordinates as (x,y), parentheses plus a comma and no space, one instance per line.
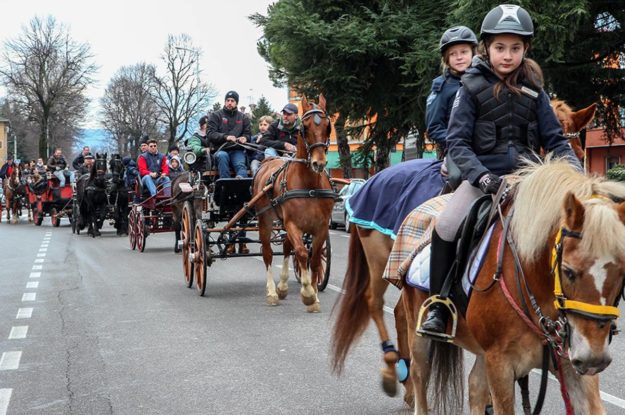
(453,312)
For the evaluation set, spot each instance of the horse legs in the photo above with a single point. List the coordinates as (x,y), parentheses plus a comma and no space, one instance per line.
(264,233)
(283,285)
(501,379)
(479,394)
(377,248)
(403,345)
(307,292)
(316,266)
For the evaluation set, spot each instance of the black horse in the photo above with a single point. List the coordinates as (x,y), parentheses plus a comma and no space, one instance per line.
(93,198)
(118,194)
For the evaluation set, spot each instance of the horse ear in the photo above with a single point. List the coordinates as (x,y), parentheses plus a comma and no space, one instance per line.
(305,104)
(583,117)
(573,212)
(322,102)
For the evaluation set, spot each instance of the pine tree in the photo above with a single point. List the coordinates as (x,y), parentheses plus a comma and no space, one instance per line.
(261,108)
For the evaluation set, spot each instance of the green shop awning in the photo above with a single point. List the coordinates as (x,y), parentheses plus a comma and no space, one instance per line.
(333,159)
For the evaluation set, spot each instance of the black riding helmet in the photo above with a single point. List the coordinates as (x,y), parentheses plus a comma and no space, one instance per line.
(507,18)
(455,35)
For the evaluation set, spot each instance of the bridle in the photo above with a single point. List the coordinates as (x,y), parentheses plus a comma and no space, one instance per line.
(317,114)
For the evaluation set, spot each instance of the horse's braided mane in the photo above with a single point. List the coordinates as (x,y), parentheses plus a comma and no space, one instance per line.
(539,202)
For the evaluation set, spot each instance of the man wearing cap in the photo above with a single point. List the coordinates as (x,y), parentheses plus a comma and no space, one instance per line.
(143,144)
(229,125)
(85,167)
(79,161)
(7,168)
(282,134)
(58,166)
(153,169)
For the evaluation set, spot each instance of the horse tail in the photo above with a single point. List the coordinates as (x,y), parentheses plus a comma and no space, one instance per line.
(353,311)
(447,366)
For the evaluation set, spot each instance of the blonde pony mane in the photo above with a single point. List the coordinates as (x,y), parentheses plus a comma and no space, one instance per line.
(538,208)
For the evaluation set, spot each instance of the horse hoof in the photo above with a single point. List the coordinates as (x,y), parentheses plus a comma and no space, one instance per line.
(272,300)
(389,384)
(282,293)
(314,308)
(308,300)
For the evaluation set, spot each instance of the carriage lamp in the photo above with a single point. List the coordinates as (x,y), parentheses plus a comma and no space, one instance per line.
(189,157)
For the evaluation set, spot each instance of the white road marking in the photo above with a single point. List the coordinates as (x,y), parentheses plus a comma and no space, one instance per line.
(26,312)
(35,275)
(41,255)
(39,261)
(29,297)
(10,360)
(5,398)
(37,267)
(43,249)
(32,284)
(18,332)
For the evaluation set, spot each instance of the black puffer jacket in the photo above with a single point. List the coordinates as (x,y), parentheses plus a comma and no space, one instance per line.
(223,123)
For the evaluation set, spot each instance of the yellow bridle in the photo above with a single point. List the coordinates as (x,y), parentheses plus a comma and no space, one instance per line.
(593,311)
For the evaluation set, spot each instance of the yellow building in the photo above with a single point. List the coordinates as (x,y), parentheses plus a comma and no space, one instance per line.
(4,139)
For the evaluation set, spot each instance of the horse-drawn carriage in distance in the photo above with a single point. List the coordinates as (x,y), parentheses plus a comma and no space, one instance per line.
(47,198)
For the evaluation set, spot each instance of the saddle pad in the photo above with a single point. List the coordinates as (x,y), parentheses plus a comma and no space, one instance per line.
(389,196)
(419,273)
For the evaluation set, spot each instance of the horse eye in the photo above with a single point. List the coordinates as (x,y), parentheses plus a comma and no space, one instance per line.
(569,273)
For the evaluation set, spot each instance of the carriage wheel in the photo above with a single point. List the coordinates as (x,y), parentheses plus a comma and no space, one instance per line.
(326,260)
(132,229)
(141,232)
(54,218)
(37,217)
(187,241)
(201,258)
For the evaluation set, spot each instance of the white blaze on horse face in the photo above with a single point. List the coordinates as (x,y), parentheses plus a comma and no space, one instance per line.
(600,274)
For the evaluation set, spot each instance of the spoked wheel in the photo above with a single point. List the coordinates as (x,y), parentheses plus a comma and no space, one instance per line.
(326,261)
(54,218)
(186,236)
(201,258)
(141,231)
(132,228)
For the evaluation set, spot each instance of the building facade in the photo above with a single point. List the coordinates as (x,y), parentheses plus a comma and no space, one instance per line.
(4,139)
(601,156)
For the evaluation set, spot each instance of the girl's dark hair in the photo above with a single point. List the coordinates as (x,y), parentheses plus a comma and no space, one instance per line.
(528,71)
(203,120)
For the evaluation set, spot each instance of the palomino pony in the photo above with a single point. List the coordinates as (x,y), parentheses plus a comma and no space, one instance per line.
(563,263)
(298,193)
(13,189)
(369,250)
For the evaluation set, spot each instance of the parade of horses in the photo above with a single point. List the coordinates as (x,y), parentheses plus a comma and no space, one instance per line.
(501,241)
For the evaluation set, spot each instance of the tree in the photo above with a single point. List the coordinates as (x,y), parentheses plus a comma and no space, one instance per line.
(179,92)
(217,106)
(47,73)
(128,108)
(259,110)
(373,60)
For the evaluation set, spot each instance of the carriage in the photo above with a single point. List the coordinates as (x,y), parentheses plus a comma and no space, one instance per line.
(46,198)
(224,218)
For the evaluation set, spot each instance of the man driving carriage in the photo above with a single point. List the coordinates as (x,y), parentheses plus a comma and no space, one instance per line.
(78,162)
(7,168)
(282,134)
(85,166)
(58,166)
(229,125)
(153,169)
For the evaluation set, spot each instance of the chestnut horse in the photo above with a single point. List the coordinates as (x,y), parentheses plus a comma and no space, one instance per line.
(13,189)
(364,287)
(298,193)
(564,264)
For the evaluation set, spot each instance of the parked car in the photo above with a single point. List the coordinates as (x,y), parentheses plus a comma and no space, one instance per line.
(339,214)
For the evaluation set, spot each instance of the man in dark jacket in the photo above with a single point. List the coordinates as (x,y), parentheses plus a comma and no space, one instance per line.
(229,125)
(80,160)
(85,167)
(282,134)
(58,166)
(7,168)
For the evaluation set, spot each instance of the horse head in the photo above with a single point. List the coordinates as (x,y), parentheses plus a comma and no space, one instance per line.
(579,261)
(117,167)
(315,133)
(573,122)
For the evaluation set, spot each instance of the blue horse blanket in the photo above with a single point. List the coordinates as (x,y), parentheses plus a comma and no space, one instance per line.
(389,196)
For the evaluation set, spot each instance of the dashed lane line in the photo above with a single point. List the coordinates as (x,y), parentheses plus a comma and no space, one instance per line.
(18,332)
(29,297)
(5,398)
(37,267)
(34,275)
(10,360)
(32,284)
(26,312)
(39,261)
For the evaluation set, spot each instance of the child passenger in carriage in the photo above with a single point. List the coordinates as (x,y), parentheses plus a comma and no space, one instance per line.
(500,115)
(256,156)
(175,168)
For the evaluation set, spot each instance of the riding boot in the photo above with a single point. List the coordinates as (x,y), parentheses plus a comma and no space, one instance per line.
(243,249)
(230,249)
(442,258)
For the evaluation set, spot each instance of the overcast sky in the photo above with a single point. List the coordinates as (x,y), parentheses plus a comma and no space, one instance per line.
(127,32)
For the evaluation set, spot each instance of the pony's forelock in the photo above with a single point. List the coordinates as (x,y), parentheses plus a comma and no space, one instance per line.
(538,209)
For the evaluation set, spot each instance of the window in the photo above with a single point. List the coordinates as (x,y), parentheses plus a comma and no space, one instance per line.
(612,161)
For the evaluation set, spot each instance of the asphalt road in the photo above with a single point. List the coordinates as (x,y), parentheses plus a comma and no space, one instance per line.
(88,326)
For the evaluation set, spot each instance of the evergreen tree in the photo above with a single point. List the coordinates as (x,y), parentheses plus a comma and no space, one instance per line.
(261,108)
